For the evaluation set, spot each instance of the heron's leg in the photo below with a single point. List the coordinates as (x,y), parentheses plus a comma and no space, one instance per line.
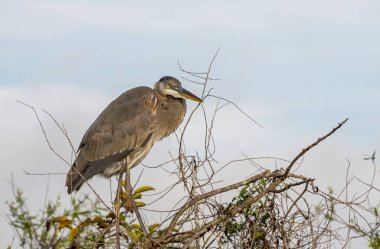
(117,205)
(128,188)
(117,202)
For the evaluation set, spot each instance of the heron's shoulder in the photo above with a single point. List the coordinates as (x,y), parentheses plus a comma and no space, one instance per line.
(141,90)
(134,96)
(137,92)
(136,100)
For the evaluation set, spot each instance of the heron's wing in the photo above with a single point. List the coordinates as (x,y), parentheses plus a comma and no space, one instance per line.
(125,125)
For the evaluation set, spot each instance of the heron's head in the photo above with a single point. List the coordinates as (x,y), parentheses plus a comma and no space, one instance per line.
(171,86)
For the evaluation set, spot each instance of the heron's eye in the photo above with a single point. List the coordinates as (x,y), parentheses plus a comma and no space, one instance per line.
(171,86)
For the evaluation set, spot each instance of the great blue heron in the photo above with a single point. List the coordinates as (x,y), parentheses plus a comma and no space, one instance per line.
(126,130)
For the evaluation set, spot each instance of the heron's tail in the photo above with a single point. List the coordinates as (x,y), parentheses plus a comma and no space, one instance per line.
(74,179)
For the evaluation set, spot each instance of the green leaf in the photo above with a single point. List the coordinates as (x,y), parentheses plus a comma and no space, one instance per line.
(97,219)
(73,234)
(143,189)
(137,196)
(153,227)
(136,226)
(140,204)
(134,235)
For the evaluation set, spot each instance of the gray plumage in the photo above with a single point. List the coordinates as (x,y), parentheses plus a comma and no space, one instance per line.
(126,130)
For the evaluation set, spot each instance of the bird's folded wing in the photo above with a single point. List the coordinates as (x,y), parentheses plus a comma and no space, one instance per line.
(124,126)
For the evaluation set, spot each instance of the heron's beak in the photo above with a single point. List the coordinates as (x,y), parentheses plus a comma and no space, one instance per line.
(186,94)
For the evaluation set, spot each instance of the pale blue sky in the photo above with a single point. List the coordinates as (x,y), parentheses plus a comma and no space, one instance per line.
(324,52)
(298,67)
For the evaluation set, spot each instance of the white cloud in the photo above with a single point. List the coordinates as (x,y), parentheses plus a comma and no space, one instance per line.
(45,18)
